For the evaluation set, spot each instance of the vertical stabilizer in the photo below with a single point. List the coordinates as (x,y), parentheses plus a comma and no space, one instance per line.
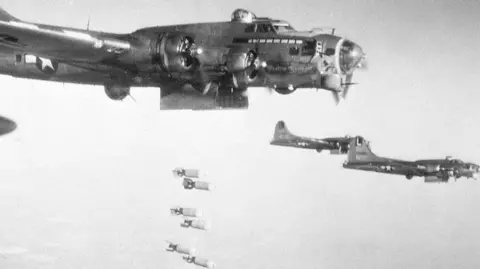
(281,132)
(5,16)
(360,151)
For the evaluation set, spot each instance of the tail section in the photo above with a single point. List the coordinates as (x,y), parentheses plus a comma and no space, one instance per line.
(360,151)
(5,16)
(281,133)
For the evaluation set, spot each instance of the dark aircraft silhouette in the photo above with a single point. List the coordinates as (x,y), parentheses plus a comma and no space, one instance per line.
(6,126)
(361,157)
(196,66)
(283,137)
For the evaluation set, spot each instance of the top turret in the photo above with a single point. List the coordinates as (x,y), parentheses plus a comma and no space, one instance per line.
(242,15)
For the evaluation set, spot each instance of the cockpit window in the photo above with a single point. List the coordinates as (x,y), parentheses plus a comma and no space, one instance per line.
(259,28)
(264,28)
(250,28)
(282,27)
(359,141)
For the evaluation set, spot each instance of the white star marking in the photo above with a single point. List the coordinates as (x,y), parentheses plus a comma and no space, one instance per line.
(46,63)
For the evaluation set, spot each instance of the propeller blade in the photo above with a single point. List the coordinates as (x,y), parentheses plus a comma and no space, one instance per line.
(347,84)
(132,98)
(336,97)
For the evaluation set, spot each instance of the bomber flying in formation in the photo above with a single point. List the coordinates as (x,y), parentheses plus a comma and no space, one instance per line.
(196,66)
(361,157)
(283,137)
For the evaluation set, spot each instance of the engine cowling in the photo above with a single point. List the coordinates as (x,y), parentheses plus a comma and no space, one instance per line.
(432,168)
(243,66)
(331,82)
(175,53)
(116,91)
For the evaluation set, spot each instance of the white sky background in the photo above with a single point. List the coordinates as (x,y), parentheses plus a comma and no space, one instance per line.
(86,181)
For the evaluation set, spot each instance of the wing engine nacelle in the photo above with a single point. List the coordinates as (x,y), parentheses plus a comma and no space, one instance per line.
(175,53)
(331,82)
(434,179)
(243,66)
(430,168)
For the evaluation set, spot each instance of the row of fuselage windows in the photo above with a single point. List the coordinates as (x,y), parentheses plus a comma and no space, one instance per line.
(275,41)
(308,48)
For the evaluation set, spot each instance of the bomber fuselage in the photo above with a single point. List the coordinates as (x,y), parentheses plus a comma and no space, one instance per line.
(289,58)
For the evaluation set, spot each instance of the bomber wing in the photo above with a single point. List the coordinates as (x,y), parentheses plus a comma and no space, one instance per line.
(283,137)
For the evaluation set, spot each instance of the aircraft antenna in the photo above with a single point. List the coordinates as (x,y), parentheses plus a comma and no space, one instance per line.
(88,23)
(89,18)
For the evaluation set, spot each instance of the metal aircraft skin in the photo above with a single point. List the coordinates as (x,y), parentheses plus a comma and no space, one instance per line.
(361,157)
(7,126)
(196,66)
(283,137)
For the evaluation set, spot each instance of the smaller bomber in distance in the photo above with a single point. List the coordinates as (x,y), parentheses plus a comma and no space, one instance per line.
(185,211)
(189,184)
(283,137)
(200,261)
(196,224)
(180,172)
(180,249)
(361,157)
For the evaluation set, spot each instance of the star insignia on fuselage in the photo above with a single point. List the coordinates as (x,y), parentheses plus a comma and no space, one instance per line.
(302,144)
(386,168)
(46,65)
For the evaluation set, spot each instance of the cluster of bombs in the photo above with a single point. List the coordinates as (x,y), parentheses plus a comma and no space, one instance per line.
(191,217)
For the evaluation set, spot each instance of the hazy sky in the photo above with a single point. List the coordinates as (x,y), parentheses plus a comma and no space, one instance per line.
(86,182)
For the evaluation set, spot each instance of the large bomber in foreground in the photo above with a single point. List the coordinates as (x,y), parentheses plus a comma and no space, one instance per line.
(197,66)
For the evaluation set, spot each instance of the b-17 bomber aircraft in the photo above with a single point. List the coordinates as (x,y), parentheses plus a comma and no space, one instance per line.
(6,126)
(197,66)
(361,157)
(283,137)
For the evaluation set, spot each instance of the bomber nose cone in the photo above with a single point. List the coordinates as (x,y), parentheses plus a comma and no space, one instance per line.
(7,126)
(351,55)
